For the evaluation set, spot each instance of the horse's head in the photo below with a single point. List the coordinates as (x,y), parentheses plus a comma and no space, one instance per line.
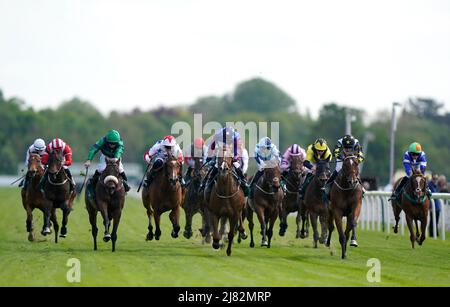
(111,175)
(34,164)
(351,170)
(418,184)
(55,164)
(296,168)
(323,171)
(225,162)
(172,167)
(272,179)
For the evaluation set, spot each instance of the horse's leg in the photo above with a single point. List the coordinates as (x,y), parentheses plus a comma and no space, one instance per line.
(303,232)
(342,241)
(423,228)
(262,222)
(223,229)
(55,224)
(157,216)
(30,223)
(250,225)
(216,235)
(174,218)
(150,226)
(116,220)
(242,234)
(324,225)
(348,228)
(417,230)
(330,227)
(106,222)
(283,220)
(397,210)
(353,241)
(412,236)
(298,221)
(313,218)
(66,212)
(272,220)
(206,225)
(233,224)
(188,228)
(47,211)
(93,220)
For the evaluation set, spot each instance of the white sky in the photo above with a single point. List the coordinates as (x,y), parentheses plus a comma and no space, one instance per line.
(123,54)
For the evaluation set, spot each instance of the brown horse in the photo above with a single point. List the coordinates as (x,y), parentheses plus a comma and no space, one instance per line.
(226,199)
(267,199)
(164,194)
(194,202)
(32,196)
(416,204)
(314,201)
(109,200)
(291,201)
(345,200)
(57,191)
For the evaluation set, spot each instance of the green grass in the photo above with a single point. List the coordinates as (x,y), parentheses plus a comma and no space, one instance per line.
(182,262)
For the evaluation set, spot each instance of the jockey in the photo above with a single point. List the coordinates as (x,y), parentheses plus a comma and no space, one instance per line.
(243,154)
(197,150)
(414,157)
(111,146)
(293,151)
(225,136)
(315,152)
(346,146)
(159,153)
(38,147)
(59,145)
(267,155)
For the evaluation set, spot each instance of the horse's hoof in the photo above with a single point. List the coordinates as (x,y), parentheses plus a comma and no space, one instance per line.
(216,245)
(302,236)
(62,235)
(46,231)
(149,236)
(208,240)
(395,230)
(252,244)
(157,238)
(264,243)
(174,234)
(243,235)
(281,233)
(107,237)
(228,252)
(31,237)
(321,241)
(315,244)
(353,243)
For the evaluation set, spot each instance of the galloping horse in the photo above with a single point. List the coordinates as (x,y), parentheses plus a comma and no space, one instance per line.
(345,200)
(193,201)
(226,199)
(416,204)
(109,200)
(57,192)
(266,202)
(291,202)
(32,197)
(164,194)
(314,201)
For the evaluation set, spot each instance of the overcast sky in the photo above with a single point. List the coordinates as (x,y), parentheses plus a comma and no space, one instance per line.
(123,54)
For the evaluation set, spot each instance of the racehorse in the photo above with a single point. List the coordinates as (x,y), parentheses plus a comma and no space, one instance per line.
(194,202)
(109,200)
(345,200)
(291,201)
(314,201)
(57,192)
(32,196)
(164,194)
(226,199)
(267,198)
(416,204)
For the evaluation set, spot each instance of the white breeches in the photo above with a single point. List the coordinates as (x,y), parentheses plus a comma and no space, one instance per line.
(102,165)
(338,165)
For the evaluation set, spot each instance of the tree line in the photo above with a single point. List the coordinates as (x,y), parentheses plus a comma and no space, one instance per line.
(80,124)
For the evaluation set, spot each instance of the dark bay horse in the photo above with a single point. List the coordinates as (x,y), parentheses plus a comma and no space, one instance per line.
(345,200)
(194,202)
(33,198)
(57,192)
(164,194)
(416,204)
(314,201)
(266,202)
(291,201)
(109,200)
(226,199)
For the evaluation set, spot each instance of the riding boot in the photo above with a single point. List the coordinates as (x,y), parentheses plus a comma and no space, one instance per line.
(305,184)
(125,183)
(42,182)
(242,181)
(92,184)
(396,194)
(151,175)
(206,179)
(212,177)
(428,192)
(254,181)
(188,176)
(71,181)
(327,187)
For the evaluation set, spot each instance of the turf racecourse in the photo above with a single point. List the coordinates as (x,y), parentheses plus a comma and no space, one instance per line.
(182,262)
